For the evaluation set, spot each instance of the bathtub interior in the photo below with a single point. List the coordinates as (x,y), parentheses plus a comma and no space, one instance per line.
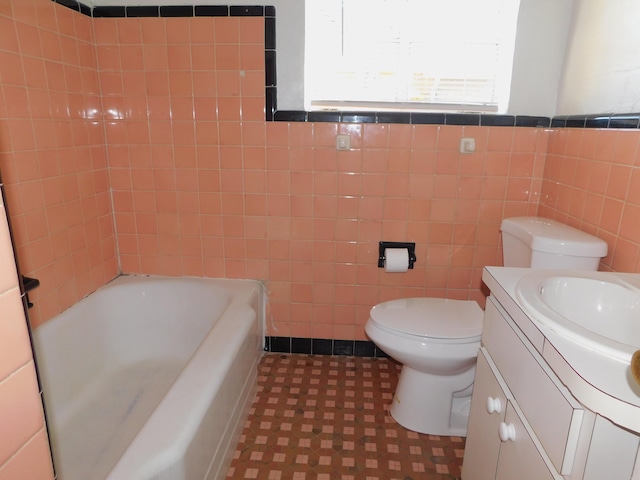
(106,418)
(125,323)
(111,360)
(201,446)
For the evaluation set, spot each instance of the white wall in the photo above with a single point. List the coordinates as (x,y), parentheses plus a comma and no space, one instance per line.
(602,67)
(542,35)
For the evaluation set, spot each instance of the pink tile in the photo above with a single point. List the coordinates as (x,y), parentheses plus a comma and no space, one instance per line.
(226,30)
(203,57)
(375,136)
(626,147)
(605,147)
(129,31)
(33,460)
(500,139)
(227,57)
(8,277)
(251,31)
(619,178)
(449,138)
(15,348)
(400,136)
(178,30)
(629,225)
(20,410)
(625,255)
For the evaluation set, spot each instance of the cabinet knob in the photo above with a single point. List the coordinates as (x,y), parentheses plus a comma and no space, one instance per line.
(507,431)
(494,405)
(635,366)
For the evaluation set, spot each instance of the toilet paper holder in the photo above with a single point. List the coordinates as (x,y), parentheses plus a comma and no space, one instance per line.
(410,246)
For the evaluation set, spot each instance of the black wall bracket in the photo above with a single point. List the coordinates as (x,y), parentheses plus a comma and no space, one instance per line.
(29,284)
(410,246)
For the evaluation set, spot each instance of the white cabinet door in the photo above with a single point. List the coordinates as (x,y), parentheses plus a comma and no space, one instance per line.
(550,410)
(488,406)
(519,459)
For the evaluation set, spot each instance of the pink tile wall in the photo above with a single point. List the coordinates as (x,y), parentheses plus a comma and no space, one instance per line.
(52,152)
(204,186)
(184,105)
(398,183)
(24,451)
(592,181)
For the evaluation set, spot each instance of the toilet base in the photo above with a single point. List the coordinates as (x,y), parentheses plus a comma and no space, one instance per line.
(433,404)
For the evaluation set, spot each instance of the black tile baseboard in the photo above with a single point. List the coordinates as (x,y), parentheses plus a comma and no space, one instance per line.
(322,346)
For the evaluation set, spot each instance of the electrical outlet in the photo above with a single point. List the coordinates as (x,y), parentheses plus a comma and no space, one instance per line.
(343,142)
(467,145)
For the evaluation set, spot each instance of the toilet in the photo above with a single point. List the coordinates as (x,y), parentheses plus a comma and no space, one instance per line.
(437,339)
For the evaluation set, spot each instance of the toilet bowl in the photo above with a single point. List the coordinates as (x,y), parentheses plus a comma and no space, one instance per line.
(437,342)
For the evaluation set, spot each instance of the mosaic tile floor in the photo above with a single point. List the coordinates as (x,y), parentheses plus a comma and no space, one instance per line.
(326,418)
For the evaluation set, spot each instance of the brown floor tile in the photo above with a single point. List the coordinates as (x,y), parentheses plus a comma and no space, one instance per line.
(327,418)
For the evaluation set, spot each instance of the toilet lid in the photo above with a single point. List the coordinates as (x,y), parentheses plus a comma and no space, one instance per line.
(430,317)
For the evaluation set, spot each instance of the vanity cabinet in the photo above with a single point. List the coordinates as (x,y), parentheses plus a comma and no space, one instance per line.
(499,445)
(525,423)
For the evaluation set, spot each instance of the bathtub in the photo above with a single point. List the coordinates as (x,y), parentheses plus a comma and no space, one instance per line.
(151,377)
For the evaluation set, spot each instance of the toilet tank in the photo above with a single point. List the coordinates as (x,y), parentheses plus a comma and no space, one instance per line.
(538,242)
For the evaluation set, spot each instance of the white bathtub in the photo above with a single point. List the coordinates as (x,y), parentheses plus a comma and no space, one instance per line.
(151,377)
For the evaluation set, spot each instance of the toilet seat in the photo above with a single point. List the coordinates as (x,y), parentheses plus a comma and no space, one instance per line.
(430,318)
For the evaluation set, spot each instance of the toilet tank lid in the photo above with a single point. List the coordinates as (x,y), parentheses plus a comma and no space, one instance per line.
(550,236)
(430,317)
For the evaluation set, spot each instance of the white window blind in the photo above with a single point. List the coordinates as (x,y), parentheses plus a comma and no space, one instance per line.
(409,54)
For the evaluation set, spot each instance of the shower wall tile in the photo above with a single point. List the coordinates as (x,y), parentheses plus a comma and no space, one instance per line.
(52,153)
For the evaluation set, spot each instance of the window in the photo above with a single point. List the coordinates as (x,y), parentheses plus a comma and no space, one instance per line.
(451,55)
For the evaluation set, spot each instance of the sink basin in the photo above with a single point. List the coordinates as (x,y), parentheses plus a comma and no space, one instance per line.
(598,309)
(592,319)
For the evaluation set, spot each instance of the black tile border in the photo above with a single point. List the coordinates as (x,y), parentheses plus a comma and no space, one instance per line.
(532,121)
(462,119)
(498,120)
(177,11)
(323,346)
(428,118)
(607,120)
(72,4)
(109,12)
(143,11)
(212,10)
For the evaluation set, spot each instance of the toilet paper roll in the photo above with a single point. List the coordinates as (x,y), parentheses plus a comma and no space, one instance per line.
(396,259)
